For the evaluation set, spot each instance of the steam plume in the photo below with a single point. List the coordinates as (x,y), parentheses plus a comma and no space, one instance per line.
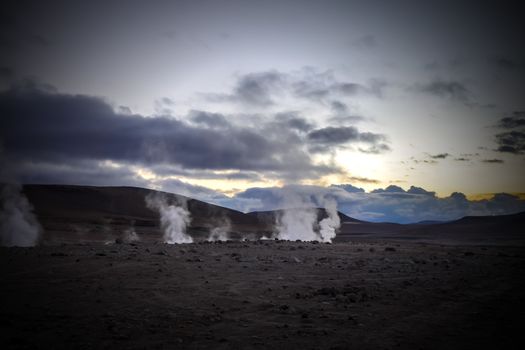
(18,224)
(299,220)
(221,231)
(331,223)
(129,235)
(173,218)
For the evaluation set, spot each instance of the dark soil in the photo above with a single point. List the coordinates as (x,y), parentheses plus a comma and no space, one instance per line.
(263,294)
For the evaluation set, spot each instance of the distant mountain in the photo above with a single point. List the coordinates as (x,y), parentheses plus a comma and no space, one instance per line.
(494,225)
(430,222)
(502,229)
(511,219)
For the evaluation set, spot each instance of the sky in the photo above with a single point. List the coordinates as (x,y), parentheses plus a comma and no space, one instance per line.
(401,110)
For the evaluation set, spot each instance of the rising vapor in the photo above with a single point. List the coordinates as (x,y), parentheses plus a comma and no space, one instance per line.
(221,232)
(18,225)
(299,220)
(329,225)
(174,219)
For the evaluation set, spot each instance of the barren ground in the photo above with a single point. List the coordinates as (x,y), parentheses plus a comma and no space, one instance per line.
(265,294)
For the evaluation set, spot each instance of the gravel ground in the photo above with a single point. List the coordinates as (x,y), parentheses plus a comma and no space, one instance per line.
(263,294)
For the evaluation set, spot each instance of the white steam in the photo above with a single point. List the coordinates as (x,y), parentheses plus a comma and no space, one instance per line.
(173,218)
(18,224)
(130,236)
(330,224)
(299,220)
(220,232)
(297,224)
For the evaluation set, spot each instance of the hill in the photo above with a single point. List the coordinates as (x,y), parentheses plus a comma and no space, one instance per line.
(72,213)
(498,229)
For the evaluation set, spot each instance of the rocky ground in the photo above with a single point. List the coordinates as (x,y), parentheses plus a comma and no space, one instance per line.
(263,294)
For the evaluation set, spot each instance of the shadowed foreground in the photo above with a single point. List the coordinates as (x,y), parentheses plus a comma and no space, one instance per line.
(255,295)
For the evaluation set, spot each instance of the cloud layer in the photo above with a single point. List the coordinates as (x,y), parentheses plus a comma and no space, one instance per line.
(390,204)
(513,140)
(44,126)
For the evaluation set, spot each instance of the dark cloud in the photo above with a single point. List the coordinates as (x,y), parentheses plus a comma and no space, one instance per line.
(389,189)
(264,88)
(44,126)
(310,90)
(339,107)
(453,90)
(439,156)
(349,89)
(212,120)
(458,197)
(511,142)
(375,88)
(167,101)
(363,180)
(294,121)
(341,116)
(124,110)
(96,173)
(77,172)
(426,161)
(258,88)
(494,161)
(371,138)
(164,106)
(376,149)
(516,120)
(462,159)
(334,135)
(325,138)
(419,190)
(170,170)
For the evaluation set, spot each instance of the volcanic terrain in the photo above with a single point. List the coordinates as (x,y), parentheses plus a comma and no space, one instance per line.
(455,285)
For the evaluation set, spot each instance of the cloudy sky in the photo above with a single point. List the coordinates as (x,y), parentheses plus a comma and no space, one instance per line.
(402,110)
